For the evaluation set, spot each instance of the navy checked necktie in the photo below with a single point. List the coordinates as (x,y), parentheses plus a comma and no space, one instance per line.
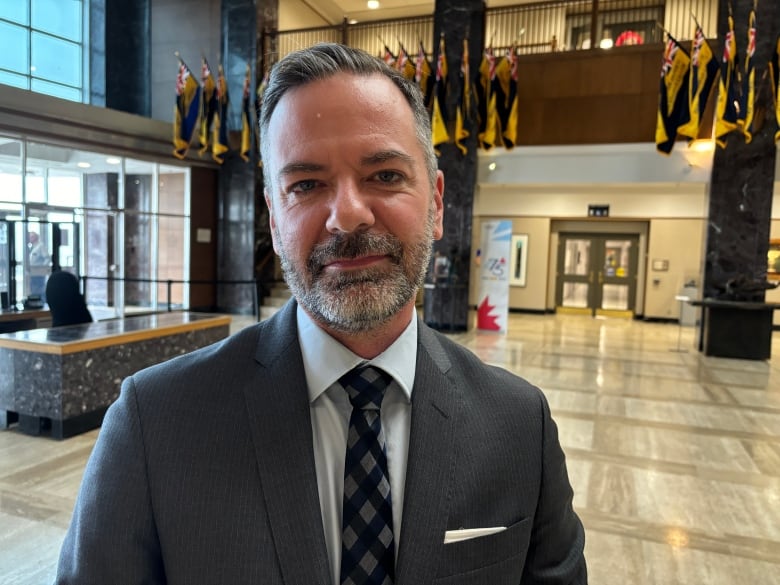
(367,548)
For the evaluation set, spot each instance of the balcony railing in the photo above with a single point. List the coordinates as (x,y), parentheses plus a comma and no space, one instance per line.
(540,27)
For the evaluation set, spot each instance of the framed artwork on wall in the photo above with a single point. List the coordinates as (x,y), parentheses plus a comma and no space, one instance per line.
(518,260)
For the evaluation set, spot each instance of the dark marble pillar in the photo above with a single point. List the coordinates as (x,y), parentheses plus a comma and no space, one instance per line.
(742,182)
(138,239)
(120,55)
(101,192)
(446,303)
(242,215)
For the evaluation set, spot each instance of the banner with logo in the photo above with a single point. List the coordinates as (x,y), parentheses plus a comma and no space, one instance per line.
(493,304)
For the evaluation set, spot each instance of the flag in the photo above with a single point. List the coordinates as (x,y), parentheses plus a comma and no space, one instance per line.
(208,105)
(704,71)
(220,130)
(422,74)
(489,125)
(186,110)
(512,103)
(246,118)
(747,100)
(673,95)
(463,113)
(404,64)
(774,70)
(438,123)
(388,57)
(258,103)
(727,107)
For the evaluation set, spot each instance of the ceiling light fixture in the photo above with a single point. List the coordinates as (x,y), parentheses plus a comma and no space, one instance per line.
(83,165)
(372,4)
(112,160)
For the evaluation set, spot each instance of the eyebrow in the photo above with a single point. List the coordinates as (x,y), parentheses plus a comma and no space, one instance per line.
(299,167)
(386,155)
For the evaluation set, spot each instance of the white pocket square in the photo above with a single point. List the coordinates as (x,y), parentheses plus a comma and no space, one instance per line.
(468,533)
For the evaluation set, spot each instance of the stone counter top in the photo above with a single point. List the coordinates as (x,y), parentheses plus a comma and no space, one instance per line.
(75,338)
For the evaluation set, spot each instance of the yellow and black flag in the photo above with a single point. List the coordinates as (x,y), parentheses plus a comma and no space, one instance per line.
(208,105)
(422,74)
(511,102)
(489,125)
(774,70)
(389,58)
(246,118)
(703,72)
(748,97)
(404,64)
(463,113)
(728,106)
(186,110)
(673,95)
(221,139)
(438,120)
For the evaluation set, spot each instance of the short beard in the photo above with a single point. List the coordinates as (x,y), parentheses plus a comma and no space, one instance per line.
(361,300)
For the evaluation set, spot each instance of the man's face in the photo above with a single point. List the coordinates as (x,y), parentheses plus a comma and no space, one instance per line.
(353,214)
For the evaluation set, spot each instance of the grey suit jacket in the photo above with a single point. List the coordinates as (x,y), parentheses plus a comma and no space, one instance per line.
(203,473)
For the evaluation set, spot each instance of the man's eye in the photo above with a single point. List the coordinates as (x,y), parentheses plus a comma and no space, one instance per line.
(388,176)
(303,186)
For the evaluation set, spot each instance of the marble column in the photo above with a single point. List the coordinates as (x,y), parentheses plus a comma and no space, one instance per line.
(445,300)
(242,216)
(743,174)
(120,55)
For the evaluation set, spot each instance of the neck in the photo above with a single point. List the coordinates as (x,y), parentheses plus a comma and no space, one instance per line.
(369,344)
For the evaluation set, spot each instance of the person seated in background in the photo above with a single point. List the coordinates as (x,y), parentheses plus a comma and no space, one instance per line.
(66,302)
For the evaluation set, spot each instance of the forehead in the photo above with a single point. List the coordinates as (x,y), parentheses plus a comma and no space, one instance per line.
(339,116)
(340,95)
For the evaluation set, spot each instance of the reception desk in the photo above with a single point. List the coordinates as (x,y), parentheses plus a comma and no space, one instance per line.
(736,329)
(61,381)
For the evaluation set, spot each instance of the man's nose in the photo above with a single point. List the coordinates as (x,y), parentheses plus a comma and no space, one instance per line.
(350,209)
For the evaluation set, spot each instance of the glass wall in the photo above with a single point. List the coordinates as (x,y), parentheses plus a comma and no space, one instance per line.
(42,46)
(121,223)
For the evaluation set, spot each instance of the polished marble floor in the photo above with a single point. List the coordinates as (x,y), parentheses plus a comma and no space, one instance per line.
(674,457)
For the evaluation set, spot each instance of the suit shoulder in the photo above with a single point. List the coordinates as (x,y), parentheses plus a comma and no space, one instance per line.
(467,366)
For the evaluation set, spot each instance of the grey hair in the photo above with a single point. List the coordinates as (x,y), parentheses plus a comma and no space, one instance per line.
(324,60)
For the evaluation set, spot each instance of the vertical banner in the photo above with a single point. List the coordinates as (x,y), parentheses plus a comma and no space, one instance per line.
(493,307)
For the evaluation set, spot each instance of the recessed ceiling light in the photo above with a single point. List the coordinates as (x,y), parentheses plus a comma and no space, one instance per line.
(372,4)
(83,165)
(112,160)
(353,21)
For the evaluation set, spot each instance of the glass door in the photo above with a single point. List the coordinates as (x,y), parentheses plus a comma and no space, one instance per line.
(597,274)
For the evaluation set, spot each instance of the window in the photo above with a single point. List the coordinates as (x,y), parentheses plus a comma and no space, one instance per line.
(42,46)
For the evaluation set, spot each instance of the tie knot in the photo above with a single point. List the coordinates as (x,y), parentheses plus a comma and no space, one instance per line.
(366,387)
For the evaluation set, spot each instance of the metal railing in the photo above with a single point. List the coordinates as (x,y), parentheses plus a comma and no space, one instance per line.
(169,283)
(554,25)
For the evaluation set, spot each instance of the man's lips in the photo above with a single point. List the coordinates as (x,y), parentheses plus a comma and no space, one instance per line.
(353,263)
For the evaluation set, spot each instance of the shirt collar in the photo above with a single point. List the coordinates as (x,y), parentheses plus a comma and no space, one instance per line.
(325,360)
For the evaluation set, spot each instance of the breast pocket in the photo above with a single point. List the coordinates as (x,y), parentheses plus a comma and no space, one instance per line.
(496,559)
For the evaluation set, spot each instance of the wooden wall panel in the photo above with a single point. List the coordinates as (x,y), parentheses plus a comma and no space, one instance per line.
(591,97)
(203,256)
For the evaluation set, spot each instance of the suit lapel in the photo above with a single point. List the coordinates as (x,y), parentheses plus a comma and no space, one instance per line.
(431,464)
(278,407)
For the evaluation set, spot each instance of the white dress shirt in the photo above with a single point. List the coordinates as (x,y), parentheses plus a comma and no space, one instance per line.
(325,360)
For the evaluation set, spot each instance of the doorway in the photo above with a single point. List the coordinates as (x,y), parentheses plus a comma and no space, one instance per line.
(596,274)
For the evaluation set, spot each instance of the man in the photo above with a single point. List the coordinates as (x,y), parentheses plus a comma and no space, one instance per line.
(237,463)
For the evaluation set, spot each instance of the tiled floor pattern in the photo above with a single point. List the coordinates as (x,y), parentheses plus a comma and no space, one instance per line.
(674,456)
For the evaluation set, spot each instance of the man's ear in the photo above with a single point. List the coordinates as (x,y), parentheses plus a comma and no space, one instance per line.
(438,201)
